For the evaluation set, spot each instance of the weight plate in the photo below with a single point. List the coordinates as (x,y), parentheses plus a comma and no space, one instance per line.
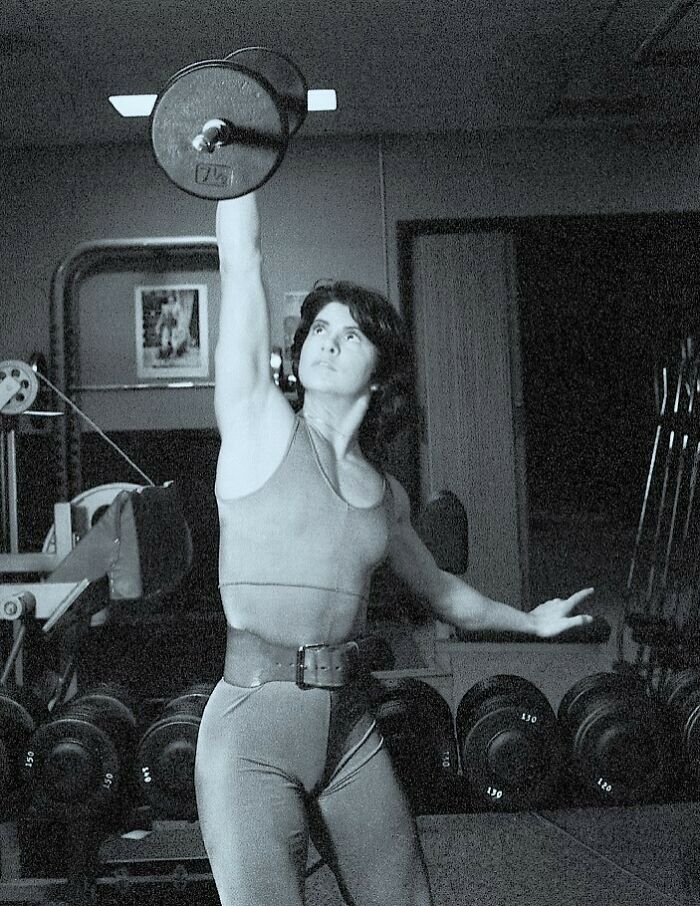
(199,689)
(678,687)
(29,386)
(417,726)
(164,766)
(187,703)
(512,758)
(73,767)
(285,77)
(496,685)
(246,102)
(108,710)
(619,755)
(591,689)
(690,731)
(18,718)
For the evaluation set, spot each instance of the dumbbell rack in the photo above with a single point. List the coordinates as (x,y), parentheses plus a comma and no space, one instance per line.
(117,851)
(120,850)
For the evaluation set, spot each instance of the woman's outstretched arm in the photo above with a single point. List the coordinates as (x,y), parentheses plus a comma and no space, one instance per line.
(457,602)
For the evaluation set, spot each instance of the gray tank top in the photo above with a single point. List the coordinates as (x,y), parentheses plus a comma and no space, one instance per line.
(297,533)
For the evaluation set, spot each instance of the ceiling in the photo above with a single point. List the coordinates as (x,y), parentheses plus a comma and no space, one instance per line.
(397,65)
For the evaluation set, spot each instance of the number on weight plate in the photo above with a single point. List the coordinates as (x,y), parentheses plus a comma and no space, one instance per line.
(493,792)
(529,718)
(604,785)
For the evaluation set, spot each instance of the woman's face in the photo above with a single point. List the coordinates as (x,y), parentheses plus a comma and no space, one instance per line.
(336,356)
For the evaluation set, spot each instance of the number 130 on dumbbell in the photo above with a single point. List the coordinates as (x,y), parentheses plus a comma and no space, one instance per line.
(220,128)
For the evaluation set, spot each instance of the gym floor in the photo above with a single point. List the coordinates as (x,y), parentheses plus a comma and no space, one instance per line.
(621,856)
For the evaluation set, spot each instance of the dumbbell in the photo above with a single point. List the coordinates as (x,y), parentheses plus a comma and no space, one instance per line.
(164,764)
(509,742)
(21,712)
(76,761)
(679,697)
(220,128)
(616,739)
(417,726)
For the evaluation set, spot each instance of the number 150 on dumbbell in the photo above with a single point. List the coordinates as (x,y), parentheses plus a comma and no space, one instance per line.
(220,128)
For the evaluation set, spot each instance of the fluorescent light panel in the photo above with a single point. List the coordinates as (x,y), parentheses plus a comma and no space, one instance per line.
(133,104)
(321,99)
(141,104)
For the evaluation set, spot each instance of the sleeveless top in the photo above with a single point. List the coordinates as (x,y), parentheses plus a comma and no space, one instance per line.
(296,533)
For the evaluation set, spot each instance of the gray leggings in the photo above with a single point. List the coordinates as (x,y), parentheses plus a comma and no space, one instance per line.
(277,764)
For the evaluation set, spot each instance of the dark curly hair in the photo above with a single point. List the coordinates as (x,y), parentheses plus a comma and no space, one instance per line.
(392,406)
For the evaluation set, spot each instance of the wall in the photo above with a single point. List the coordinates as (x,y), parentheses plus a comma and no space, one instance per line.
(331,209)
(547,172)
(321,215)
(323,209)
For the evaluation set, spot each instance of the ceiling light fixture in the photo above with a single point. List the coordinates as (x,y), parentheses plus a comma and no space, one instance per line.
(133,104)
(142,104)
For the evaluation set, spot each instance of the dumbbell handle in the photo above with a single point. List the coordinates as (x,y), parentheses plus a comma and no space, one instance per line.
(218,133)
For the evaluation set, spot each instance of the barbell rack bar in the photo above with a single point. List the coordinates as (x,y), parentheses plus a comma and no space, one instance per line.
(149,385)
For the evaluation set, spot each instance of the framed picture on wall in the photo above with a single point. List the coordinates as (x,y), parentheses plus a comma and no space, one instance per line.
(171,326)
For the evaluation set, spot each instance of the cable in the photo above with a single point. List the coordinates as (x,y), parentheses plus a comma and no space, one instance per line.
(94,426)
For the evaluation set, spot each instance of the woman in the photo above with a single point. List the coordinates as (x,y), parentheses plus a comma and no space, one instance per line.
(286,745)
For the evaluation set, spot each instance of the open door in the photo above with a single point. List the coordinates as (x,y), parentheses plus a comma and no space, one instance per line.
(465,326)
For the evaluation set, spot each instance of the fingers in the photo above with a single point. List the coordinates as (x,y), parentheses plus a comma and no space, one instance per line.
(574,600)
(581,595)
(582,619)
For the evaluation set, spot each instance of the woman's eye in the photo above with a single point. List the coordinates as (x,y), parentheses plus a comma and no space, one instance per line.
(351,336)
(317,328)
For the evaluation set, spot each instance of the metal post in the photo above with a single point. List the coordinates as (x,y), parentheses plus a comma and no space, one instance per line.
(10,526)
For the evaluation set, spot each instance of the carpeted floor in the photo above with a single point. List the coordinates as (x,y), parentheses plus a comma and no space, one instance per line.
(598,856)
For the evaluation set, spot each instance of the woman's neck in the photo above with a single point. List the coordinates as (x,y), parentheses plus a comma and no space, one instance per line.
(338,421)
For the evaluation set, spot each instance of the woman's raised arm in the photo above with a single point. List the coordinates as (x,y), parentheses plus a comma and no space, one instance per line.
(254,418)
(242,356)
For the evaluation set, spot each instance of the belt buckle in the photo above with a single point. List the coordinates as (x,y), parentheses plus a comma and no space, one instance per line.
(336,653)
(301,657)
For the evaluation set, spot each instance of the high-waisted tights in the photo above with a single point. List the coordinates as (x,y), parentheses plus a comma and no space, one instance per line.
(277,765)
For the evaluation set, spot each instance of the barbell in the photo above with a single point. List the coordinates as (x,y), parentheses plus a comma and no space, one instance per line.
(220,128)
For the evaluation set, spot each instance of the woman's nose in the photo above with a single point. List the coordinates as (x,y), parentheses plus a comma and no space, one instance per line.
(328,344)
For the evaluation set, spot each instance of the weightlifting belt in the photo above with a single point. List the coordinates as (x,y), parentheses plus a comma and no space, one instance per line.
(252,661)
